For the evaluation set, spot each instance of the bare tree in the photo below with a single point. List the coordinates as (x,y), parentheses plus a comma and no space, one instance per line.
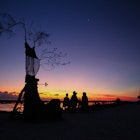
(7,22)
(33,106)
(48,57)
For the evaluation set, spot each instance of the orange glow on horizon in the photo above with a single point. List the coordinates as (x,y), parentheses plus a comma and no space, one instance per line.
(47,93)
(51,94)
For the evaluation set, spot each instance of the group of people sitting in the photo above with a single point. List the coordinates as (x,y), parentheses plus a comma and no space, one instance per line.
(73,103)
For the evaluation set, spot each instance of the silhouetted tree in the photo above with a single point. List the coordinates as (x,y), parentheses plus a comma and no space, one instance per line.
(33,106)
(50,57)
(7,22)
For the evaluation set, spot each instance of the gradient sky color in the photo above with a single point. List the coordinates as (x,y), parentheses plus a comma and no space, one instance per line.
(101,37)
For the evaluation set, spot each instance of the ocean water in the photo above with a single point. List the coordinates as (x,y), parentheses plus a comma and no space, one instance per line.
(9,106)
(6,106)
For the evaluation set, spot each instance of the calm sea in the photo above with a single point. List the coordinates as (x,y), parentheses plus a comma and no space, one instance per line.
(7,107)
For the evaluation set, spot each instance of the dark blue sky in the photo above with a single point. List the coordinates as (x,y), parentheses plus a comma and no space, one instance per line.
(102,38)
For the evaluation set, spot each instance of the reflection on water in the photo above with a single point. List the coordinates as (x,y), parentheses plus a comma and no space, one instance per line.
(7,107)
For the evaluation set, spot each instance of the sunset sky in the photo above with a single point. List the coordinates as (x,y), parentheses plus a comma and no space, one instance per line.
(101,37)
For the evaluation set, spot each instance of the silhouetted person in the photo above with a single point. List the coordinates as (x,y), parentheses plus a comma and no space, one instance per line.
(74,101)
(66,102)
(118,101)
(84,102)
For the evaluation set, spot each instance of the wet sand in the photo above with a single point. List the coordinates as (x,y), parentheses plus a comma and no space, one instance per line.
(116,123)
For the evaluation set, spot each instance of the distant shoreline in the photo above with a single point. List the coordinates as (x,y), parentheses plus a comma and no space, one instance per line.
(8,105)
(92,101)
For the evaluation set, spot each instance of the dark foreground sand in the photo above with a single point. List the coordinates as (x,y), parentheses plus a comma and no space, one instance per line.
(117,123)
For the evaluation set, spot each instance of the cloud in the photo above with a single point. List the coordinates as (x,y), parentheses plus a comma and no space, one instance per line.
(8,95)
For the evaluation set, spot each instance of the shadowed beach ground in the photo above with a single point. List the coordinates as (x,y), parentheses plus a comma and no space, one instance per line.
(116,123)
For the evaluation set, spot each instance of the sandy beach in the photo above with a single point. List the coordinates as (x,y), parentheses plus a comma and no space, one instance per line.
(116,123)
